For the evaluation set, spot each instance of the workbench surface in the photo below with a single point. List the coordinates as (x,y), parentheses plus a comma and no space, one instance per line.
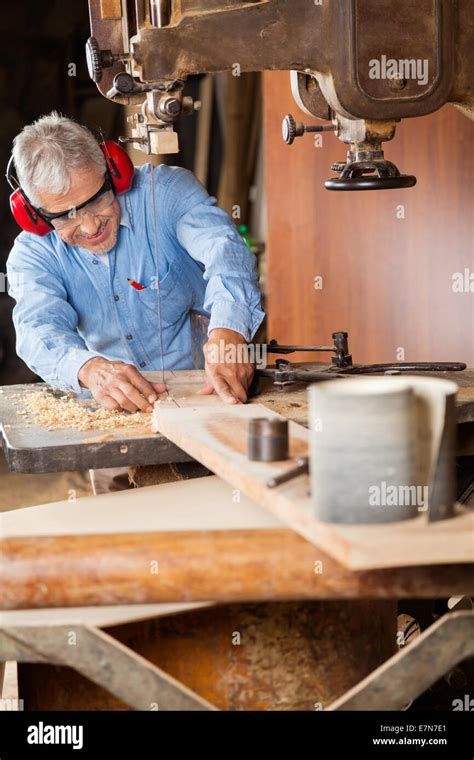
(33,448)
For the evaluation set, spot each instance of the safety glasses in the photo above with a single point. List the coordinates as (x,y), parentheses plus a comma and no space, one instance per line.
(101,200)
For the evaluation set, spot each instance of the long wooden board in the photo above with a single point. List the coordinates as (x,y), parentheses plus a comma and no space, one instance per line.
(200,504)
(217,438)
(210,546)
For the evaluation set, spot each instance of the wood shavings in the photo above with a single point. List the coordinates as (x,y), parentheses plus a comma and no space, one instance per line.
(66,412)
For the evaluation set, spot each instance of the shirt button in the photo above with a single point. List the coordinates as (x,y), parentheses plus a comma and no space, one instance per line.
(129,337)
(95,261)
(116,298)
(142,364)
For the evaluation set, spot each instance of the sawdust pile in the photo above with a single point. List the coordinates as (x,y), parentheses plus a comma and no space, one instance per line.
(66,412)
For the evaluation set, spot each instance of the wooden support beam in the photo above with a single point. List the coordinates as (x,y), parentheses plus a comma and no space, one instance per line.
(272,665)
(411,671)
(105,661)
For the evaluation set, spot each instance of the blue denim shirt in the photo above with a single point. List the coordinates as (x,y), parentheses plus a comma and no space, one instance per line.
(72,305)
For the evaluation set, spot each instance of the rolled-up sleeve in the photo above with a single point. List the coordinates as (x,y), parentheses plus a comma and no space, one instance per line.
(45,322)
(207,233)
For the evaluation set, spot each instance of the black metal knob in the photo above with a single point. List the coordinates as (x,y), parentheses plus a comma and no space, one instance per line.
(290,129)
(123,83)
(97,59)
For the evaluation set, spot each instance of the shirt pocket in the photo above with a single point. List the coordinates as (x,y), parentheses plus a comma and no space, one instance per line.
(172,298)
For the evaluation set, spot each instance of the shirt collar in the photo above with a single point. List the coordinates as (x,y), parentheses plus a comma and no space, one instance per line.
(125,211)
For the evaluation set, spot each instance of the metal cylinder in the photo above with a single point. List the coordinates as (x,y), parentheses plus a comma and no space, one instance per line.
(267,440)
(382,449)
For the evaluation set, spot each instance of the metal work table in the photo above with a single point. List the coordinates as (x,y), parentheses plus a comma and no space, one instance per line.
(32,448)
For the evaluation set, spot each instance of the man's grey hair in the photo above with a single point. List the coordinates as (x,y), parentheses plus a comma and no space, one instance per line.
(46,151)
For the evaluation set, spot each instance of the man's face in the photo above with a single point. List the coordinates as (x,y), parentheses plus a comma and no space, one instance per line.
(96,231)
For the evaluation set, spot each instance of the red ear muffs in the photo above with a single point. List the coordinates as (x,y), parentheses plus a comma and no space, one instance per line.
(26,216)
(119,164)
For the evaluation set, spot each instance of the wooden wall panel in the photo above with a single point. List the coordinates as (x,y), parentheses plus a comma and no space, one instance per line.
(387,281)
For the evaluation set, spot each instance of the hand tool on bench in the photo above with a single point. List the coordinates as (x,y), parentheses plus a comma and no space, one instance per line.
(341,364)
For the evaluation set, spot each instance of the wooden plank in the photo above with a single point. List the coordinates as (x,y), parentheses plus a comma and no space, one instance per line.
(183,388)
(217,439)
(200,504)
(9,690)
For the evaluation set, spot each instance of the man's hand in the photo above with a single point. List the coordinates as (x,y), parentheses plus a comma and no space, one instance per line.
(228,369)
(116,385)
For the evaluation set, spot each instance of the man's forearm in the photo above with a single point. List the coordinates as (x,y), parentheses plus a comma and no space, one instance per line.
(56,361)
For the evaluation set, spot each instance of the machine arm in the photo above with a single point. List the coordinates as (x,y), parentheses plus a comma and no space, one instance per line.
(361,64)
